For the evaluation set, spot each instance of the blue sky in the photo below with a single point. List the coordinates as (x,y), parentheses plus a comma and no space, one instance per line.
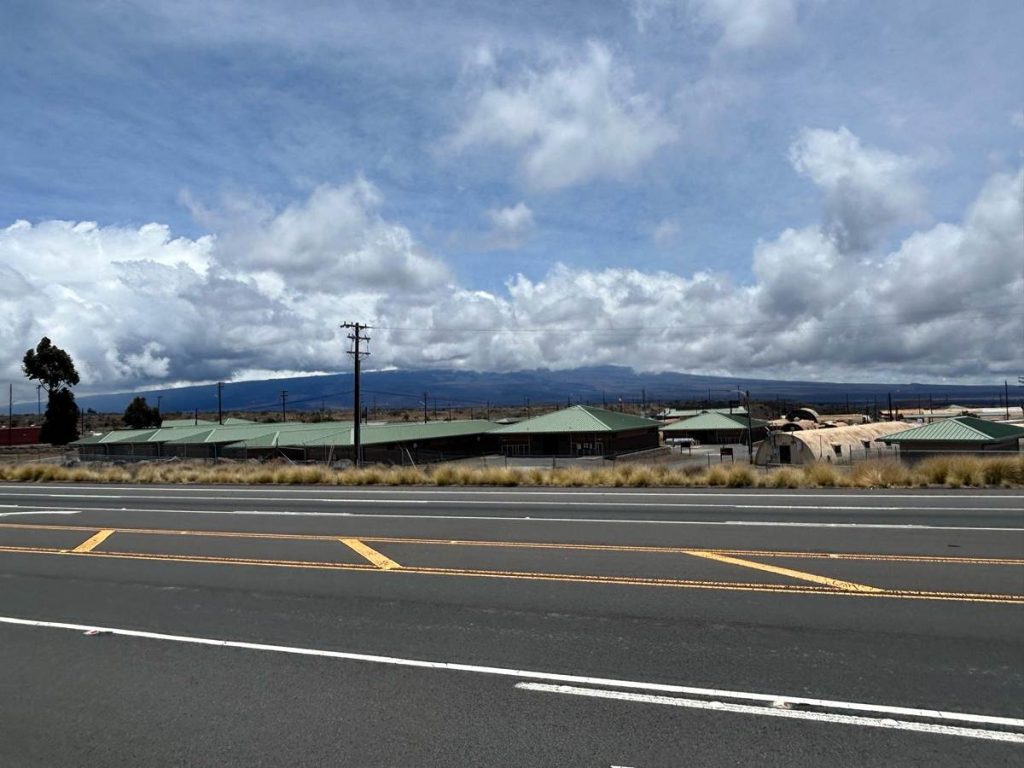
(513,166)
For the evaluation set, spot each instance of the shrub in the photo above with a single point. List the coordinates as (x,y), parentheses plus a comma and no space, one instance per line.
(782,478)
(818,475)
(715,476)
(882,473)
(741,476)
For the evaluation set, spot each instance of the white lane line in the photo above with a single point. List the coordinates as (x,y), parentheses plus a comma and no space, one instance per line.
(548,504)
(544,519)
(433,491)
(521,674)
(42,512)
(793,714)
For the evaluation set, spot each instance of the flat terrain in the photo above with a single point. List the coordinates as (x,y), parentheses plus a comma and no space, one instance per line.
(433,627)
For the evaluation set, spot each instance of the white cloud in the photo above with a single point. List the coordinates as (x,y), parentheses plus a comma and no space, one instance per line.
(335,237)
(574,120)
(511,225)
(513,219)
(748,24)
(666,233)
(137,306)
(739,24)
(867,190)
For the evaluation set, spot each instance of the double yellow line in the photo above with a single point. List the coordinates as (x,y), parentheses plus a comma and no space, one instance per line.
(377,561)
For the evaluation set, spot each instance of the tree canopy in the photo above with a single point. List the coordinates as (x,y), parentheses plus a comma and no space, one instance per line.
(53,368)
(140,415)
(60,423)
(50,365)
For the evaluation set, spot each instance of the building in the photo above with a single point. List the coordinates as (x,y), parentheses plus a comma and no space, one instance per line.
(19,435)
(716,428)
(398,443)
(675,414)
(579,430)
(962,434)
(835,445)
(327,441)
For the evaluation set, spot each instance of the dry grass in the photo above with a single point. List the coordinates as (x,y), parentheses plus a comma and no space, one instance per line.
(820,475)
(950,471)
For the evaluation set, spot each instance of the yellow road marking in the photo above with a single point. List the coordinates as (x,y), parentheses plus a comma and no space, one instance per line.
(943,559)
(94,541)
(971,597)
(371,554)
(803,576)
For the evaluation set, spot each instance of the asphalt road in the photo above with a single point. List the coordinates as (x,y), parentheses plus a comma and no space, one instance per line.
(479,627)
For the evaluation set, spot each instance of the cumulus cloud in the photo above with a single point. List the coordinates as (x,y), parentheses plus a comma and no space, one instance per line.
(739,24)
(750,23)
(576,119)
(511,225)
(138,307)
(867,190)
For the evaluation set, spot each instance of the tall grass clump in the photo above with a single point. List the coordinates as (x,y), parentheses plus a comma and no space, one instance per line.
(1004,470)
(882,473)
(818,475)
(782,478)
(741,476)
(965,470)
(716,476)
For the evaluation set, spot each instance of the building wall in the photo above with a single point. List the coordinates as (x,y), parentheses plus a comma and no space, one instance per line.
(19,436)
(580,443)
(911,451)
(718,436)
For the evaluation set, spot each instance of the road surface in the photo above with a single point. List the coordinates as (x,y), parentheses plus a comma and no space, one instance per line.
(536,627)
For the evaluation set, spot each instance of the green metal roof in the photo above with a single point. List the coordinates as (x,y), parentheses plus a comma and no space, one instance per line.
(166,434)
(713,421)
(284,438)
(379,434)
(578,418)
(127,436)
(186,422)
(675,413)
(235,433)
(961,429)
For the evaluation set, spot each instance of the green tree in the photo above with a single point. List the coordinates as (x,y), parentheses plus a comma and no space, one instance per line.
(60,422)
(53,368)
(140,415)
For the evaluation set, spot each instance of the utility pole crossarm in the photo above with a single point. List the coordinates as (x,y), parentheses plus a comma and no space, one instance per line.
(357,338)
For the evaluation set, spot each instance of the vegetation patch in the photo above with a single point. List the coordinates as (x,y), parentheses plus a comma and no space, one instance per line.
(948,471)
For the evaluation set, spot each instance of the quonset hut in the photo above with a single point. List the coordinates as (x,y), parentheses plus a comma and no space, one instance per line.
(836,445)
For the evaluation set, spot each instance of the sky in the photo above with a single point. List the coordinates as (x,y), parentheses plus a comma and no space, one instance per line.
(202,190)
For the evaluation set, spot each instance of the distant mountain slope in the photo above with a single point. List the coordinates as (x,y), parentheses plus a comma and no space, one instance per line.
(598,385)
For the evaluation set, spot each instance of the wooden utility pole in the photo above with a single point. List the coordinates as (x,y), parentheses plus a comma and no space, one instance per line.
(357,337)
(220,402)
(284,405)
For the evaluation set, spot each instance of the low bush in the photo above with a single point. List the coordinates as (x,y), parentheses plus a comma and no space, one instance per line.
(820,475)
(949,470)
(883,473)
(781,478)
(741,476)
